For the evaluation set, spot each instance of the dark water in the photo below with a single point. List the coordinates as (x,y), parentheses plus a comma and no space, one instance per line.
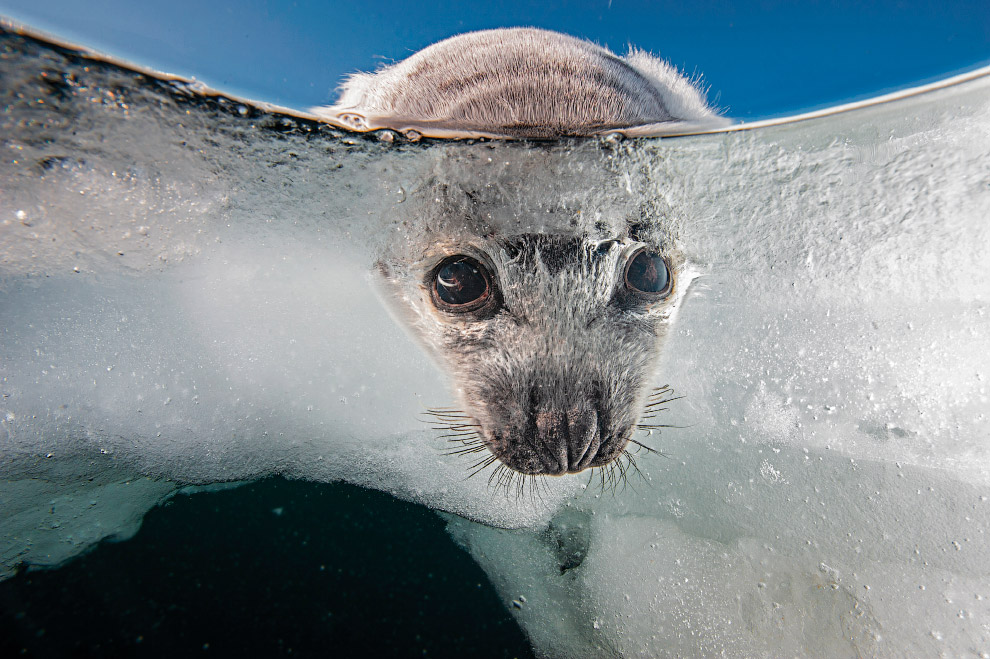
(275,568)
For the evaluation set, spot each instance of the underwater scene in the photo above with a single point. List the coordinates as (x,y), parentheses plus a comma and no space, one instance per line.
(355,380)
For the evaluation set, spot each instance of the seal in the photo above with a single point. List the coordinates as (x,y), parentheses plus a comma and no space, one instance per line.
(545,300)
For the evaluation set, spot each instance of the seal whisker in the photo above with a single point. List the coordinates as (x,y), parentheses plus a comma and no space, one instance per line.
(466,451)
(655,407)
(627,470)
(437,420)
(657,400)
(613,476)
(459,436)
(505,480)
(469,443)
(530,480)
(605,473)
(533,481)
(446,415)
(632,463)
(495,480)
(542,487)
(662,396)
(466,441)
(484,462)
(648,449)
(622,473)
(656,404)
(481,465)
(495,473)
(458,446)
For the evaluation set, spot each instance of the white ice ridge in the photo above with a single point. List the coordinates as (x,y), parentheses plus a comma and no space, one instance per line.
(186,298)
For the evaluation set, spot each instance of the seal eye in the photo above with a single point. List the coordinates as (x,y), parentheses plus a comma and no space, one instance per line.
(461,284)
(647,273)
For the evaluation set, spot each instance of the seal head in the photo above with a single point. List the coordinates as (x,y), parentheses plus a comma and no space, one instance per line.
(545,285)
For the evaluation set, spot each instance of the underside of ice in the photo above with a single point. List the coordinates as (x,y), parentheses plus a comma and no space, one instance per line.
(187,297)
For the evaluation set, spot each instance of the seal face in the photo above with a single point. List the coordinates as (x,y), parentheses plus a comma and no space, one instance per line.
(545,286)
(553,339)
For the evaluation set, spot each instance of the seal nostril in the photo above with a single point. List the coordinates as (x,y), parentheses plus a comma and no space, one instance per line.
(551,439)
(589,455)
(583,437)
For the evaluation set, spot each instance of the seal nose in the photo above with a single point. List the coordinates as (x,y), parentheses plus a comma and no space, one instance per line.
(568,439)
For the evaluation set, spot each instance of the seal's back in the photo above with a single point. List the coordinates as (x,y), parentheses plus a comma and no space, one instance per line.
(521,82)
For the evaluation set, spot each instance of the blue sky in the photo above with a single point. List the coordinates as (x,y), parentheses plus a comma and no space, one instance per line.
(759,59)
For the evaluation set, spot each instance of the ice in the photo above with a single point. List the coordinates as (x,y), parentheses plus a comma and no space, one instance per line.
(187,297)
